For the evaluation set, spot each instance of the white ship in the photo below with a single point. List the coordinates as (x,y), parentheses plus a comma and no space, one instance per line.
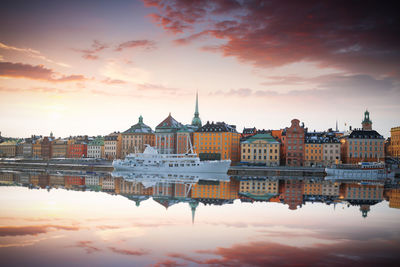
(151,161)
(361,171)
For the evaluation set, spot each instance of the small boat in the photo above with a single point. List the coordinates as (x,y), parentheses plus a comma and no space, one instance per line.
(151,161)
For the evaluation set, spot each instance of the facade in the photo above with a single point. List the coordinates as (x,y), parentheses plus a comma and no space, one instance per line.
(112,146)
(292,193)
(294,144)
(8,149)
(313,153)
(135,138)
(395,142)
(77,149)
(362,144)
(312,188)
(260,149)
(46,148)
(59,148)
(216,141)
(330,188)
(331,149)
(37,148)
(95,148)
(166,134)
(27,149)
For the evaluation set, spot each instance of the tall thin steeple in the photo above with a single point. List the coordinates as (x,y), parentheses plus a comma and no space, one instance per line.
(337,128)
(196,119)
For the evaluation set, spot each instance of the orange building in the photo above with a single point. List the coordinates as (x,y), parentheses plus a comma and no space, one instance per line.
(394,147)
(77,150)
(217,141)
(394,198)
(312,188)
(294,144)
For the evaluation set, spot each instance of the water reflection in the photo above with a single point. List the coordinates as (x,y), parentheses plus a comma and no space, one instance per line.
(120,219)
(215,189)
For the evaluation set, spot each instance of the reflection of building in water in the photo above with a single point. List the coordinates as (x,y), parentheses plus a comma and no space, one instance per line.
(363,195)
(356,191)
(74,181)
(312,188)
(259,186)
(56,180)
(393,196)
(7,177)
(168,194)
(107,184)
(258,189)
(293,193)
(330,188)
(216,190)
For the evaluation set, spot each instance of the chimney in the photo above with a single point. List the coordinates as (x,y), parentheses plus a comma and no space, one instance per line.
(350,127)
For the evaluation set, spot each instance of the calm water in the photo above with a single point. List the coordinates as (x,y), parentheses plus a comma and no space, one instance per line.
(70,219)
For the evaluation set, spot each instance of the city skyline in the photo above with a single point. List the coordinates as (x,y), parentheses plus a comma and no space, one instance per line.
(96,67)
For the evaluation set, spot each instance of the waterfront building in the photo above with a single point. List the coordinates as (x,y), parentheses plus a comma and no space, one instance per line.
(46,148)
(136,137)
(217,141)
(395,142)
(96,148)
(362,144)
(248,132)
(184,139)
(59,148)
(112,146)
(166,134)
(27,148)
(331,149)
(8,148)
(260,149)
(37,148)
(313,153)
(77,149)
(294,144)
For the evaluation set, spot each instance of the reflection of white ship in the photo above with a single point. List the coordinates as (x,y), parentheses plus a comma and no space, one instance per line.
(149,179)
(151,161)
(361,171)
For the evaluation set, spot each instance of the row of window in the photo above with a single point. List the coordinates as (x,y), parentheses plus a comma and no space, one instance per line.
(365,142)
(365,148)
(365,155)
(260,157)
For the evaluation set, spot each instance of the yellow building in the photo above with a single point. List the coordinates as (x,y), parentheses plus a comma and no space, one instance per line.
(260,149)
(8,149)
(217,141)
(395,142)
(112,146)
(59,148)
(259,186)
(313,154)
(37,149)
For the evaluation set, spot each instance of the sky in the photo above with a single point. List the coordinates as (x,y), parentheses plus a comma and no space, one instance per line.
(93,67)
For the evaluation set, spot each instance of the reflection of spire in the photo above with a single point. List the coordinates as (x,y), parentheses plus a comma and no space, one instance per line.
(193,205)
(364,210)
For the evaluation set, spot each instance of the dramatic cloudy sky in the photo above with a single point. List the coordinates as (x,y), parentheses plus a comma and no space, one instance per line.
(92,67)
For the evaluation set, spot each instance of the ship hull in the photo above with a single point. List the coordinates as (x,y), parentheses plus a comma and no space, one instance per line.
(203,167)
(357,174)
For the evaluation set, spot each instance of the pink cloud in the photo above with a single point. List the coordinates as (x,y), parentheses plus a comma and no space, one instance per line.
(38,72)
(146,44)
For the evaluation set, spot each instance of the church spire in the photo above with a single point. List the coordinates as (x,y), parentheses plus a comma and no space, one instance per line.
(196,119)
